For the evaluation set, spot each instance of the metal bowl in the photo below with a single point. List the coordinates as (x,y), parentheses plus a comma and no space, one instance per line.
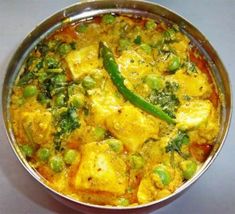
(88,9)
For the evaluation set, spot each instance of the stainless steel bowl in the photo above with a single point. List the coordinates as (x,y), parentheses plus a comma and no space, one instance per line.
(91,8)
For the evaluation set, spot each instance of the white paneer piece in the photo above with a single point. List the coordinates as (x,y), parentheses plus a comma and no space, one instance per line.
(193,114)
(192,85)
(132,65)
(146,191)
(132,126)
(101,170)
(84,61)
(103,105)
(37,126)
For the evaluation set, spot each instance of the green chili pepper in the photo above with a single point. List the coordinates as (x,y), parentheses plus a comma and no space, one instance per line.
(112,68)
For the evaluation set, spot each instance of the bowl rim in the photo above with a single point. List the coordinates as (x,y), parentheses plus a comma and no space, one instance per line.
(65,19)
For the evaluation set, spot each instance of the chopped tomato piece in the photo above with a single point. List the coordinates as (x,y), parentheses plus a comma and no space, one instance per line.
(200,151)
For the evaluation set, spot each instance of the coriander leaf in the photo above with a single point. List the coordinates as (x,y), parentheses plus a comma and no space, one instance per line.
(25,78)
(67,122)
(176,143)
(166,98)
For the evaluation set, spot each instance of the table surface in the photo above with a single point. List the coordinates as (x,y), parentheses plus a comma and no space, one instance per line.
(215,190)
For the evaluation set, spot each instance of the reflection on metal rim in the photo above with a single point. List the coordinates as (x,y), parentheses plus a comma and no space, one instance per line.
(91,8)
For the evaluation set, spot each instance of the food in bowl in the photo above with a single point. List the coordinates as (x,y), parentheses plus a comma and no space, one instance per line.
(116,110)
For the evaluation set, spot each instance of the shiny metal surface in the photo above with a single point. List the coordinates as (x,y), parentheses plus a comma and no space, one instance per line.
(92,8)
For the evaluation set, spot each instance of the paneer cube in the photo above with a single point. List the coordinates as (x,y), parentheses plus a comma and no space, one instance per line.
(191,85)
(132,65)
(210,129)
(132,126)
(37,126)
(193,114)
(103,105)
(146,191)
(101,170)
(84,61)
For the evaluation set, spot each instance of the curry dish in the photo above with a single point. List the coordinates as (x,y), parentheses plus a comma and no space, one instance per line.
(115,110)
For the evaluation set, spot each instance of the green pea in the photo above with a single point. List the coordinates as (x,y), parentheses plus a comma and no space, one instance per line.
(136,161)
(163,174)
(77,100)
(174,64)
(88,82)
(70,156)
(82,28)
(30,91)
(124,44)
(56,163)
(189,168)
(123,202)
(138,40)
(99,133)
(147,48)
(115,145)
(150,25)
(60,100)
(59,79)
(64,48)
(43,154)
(154,81)
(108,19)
(27,150)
